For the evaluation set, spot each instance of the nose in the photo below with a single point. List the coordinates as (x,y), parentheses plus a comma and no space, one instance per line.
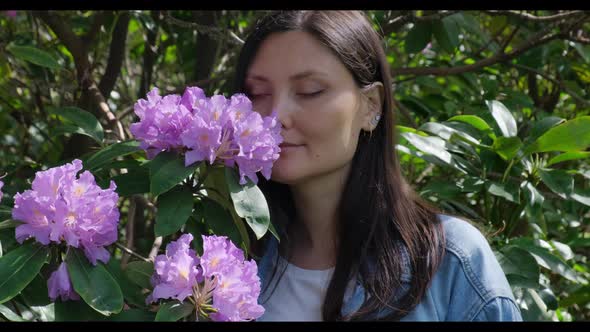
(284,107)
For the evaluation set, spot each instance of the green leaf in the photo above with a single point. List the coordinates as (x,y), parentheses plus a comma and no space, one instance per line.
(45,313)
(10,315)
(219,192)
(140,272)
(174,208)
(507,191)
(19,267)
(572,155)
(579,242)
(133,315)
(86,123)
(536,309)
(36,293)
(560,182)
(220,220)
(446,33)
(6,224)
(563,249)
(584,51)
(476,122)
(520,267)
(418,37)
(94,284)
(131,292)
(75,311)
(503,117)
(546,259)
(167,170)
(580,297)
(533,58)
(573,135)
(34,55)
(136,181)
(581,196)
(109,153)
(507,147)
(249,203)
(441,189)
(431,145)
(534,205)
(446,132)
(173,311)
(541,126)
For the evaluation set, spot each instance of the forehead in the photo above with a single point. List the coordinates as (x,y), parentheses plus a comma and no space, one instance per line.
(284,55)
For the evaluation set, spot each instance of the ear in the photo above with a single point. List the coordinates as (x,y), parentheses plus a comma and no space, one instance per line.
(374,96)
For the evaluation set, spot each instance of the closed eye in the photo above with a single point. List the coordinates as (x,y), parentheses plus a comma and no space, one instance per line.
(259,95)
(310,94)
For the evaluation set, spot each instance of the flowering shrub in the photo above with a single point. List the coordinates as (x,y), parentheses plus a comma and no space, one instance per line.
(61,207)
(203,155)
(221,274)
(211,129)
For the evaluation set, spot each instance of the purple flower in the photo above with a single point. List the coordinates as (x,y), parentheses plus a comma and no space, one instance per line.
(237,289)
(207,136)
(60,285)
(258,141)
(10,13)
(215,129)
(61,207)
(219,252)
(162,120)
(236,296)
(176,272)
(1,185)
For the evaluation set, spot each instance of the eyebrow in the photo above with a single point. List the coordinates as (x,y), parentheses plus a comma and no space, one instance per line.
(295,77)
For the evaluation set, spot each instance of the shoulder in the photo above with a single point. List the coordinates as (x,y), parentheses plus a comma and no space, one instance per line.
(469,281)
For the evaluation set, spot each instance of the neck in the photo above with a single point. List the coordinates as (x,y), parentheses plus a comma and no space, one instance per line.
(315,232)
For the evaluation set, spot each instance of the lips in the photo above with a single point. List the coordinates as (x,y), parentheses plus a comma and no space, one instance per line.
(289,145)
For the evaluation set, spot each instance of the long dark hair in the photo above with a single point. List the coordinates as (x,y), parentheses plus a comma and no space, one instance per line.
(381,216)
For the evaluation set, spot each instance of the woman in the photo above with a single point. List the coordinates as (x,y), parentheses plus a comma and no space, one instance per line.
(356,242)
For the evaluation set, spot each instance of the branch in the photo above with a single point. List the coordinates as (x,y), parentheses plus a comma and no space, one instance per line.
(579,39)
(149,55)
(508,39)
(131,252)
(410,17)
(213,31)
(533,18)
(72,42)
(97,23)
(535,41)
(405,112)
(129,228)
(105,112)
(553,80)
(155,248)
(116,53)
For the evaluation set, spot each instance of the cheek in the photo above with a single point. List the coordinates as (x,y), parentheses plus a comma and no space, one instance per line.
(332,132)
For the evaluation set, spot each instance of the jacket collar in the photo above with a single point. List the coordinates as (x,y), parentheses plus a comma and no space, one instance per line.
(355,295)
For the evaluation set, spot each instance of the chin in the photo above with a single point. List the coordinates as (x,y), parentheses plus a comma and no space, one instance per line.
(286,173)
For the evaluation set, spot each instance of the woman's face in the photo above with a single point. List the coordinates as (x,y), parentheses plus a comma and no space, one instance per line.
(317,102)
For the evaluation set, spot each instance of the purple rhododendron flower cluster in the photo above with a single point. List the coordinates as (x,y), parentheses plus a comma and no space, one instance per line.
(215,129)
(175,272)
(221,274)
(62,207)
(60,285)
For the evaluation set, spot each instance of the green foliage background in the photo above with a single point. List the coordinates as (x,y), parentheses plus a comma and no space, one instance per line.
(492,106)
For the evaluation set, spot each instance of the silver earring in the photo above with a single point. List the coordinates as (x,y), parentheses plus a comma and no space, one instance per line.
(375,120)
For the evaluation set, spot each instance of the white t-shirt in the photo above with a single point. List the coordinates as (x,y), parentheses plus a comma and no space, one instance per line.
(299,295)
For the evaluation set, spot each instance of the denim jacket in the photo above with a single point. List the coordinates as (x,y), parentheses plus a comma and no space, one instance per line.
(469,285)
